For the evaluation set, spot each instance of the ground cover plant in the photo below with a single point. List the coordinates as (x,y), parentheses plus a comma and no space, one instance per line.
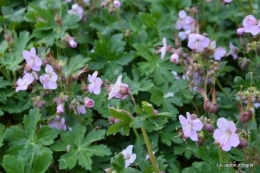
(122,86)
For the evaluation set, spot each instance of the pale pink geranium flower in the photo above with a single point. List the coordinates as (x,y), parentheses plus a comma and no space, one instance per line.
(184,21)
(49,79)
(218,52)
(129,157)
(58,123)
(233,50)
(251,25)
(198,42)
(225,134)
(22,84)
(89,103)
(190,127)
(33,61)
(77,10)
(95,83)
(118,90)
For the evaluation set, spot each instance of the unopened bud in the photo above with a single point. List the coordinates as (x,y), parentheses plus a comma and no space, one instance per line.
(207,105)
(155,111)
(213,108)
(124,90)
(245,116)
(200,141)
(194,116)
(209,128)
(243,143)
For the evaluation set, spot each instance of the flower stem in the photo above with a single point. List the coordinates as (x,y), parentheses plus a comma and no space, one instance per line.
(119,20)
(250,6)
(221,88)
(228,161)
(149,148)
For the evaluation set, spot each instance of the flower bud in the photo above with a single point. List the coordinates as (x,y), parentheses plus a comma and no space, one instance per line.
(207,104)
(245,116)
(194,116)
(155,111)
(116,3)
(174,58)
(124,90)
(243,143)
(209,128)
(213,108)
(72,43)
(89,103)
(200,141)
(240,31)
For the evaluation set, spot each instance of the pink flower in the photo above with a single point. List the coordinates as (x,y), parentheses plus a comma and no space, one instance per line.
(129,157)
(95,83)
(80,109)
(198,42)
(118,90)
(190,127)
(225,134)
(227,1)
(89,103)
(58,123)
(60,108)
(233,50)
(77,10)
(240,31)
(116,3)
(49,80)
(184,21)
(251,25)
(219,53)
(22,84)
(164,48)
(33,61)
(174,58)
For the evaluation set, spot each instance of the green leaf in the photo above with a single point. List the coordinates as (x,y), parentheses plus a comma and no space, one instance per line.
(79,148)
(13,165)
(123,124)
(147,107)
(2,128)
(73,64)
(14,16)
(118,162)
(3,47)
(24,141)
(42,163)
(130,170)
(4,83)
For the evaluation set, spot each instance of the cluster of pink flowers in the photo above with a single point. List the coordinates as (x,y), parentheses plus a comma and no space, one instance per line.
(250,25)
(185,22)
(225,135)
(34,63)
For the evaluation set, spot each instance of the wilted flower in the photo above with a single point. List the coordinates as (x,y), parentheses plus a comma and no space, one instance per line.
(80,109)
(33,61)
(190,127)
(95,83)
(129,157)
(89,103)
(60,108)
(77,10)
(58,123)
(198,42)
(49,80)
(225,134)
(118,90)
(164,48)
(233,50)
(22,84)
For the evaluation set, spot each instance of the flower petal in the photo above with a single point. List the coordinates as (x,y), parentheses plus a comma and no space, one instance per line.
(234,140)
(183,120)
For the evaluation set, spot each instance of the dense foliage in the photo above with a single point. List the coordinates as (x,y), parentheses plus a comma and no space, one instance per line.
(123,86)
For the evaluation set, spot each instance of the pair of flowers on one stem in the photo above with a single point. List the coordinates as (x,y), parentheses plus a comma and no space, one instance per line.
(225,135)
